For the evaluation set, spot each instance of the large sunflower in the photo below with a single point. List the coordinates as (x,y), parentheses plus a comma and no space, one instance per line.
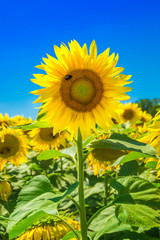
(81,88)
(13,147)
(43,139)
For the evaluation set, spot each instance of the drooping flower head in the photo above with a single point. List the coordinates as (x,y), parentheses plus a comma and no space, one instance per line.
(13,147)
(101,159)
(80,88)
(50,231)
(5,190)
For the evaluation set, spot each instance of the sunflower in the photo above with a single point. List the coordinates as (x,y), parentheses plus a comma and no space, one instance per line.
(50,231)
(5,190)
(130,112)
(102,159)
(80,88)
(144,118)
(13,147)
(153,138)
(43,139)
(4,121)
(20,120)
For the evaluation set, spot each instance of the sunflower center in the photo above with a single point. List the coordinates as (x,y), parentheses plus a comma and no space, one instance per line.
(107,155)
(143,119)
(128,114)
(46,134)
(82,91)
(9,147)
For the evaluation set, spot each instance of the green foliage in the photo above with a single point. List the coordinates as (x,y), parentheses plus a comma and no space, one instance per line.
(48,154)
(149,106)
(123,142)
(38,124)
(136,208)
(36,200)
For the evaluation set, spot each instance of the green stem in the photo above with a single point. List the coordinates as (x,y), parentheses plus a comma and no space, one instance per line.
(83,220)
(105,188)
(62,172)
(74,201)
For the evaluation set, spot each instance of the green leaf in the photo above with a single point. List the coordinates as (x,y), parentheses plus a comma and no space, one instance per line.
(121,142)
(87,141)
(138,215)
(106,222)
(67,192)
(151,164)
(3,221)
(40,116)
(88,192)
(26,223)
(129,157)
(36,200)
(136,236)
(70,151)
(33,196)
(132,189)
(48,154)
(138,202)
(70,235)
(40,124)
(129,168)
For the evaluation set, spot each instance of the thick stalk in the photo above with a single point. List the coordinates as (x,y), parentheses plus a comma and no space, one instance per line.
(105,188)
(83,221)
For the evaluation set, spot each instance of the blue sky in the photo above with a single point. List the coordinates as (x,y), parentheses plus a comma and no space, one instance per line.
(29,29)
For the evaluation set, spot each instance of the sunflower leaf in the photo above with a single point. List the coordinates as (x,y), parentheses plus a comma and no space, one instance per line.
(68,191)
(122,142)
(40,124)
(129,157)
(33,196)
(151,164)
(26,223)
(137,203)
(48,154)
(106,222)
(70,235)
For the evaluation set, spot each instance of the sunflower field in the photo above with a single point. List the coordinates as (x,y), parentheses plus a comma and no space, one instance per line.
(88,167)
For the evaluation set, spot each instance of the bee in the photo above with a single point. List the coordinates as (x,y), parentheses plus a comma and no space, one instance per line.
(67,77)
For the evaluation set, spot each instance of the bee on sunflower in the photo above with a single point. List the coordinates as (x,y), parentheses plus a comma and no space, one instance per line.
(80,88)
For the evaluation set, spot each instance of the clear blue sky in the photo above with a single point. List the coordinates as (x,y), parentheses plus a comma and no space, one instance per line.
(30,28)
